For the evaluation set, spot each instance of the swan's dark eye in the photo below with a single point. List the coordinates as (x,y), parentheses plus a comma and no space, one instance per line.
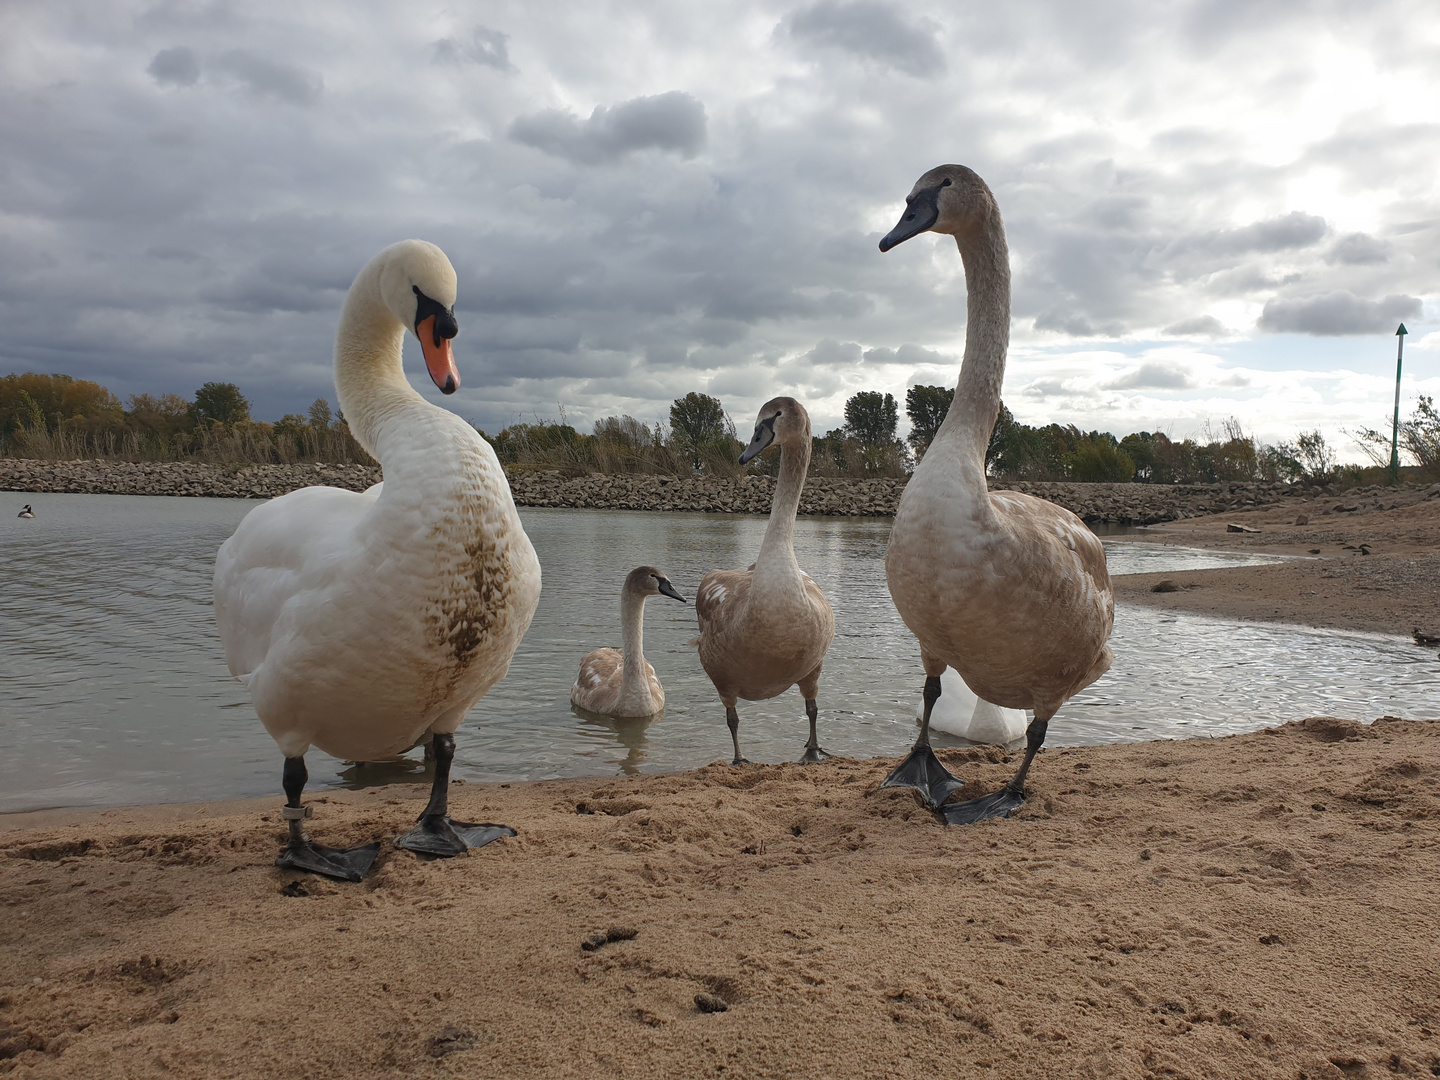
(946,183)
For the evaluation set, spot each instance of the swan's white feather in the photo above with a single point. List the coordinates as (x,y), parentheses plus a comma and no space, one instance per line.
(961,713)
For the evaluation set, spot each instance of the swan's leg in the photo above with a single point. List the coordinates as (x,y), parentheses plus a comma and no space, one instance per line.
(809,688)
(813,751)
(922,769)
(732,721)
(438,834)
(302,853)
(1011,797)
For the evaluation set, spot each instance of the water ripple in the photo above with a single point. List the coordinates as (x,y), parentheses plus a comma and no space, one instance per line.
(113,687)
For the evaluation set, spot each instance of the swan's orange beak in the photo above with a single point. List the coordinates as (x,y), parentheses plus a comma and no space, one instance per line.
(439,359)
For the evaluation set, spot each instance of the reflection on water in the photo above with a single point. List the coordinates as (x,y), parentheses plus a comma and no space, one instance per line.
(113,687)
(612,732)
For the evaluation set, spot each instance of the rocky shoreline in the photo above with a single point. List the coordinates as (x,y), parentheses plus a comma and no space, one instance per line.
(1124,504)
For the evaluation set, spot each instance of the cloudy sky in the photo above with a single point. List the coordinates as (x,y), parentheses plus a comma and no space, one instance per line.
(1215,208)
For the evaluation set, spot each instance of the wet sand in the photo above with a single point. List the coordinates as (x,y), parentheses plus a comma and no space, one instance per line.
(1392,590)
(1255,906)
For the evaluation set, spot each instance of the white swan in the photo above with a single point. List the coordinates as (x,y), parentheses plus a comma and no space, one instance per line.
(623,683)
(26,512)
(366,623)
(765,629)
(1009,590)
(959,712)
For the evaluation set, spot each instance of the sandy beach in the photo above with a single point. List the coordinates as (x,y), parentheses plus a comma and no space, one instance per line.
(1390,586)
(1261,905)
(1256,906)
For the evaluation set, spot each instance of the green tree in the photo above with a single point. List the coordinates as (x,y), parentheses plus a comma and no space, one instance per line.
(1097,458)
(1001,435)
(926,407)
(320,417)
(871,418)
(700,425)
(221,403)
(1308,458)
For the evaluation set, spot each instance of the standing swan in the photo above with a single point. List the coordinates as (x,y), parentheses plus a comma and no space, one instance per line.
(366,623)
(1009,590)
(765,629)
(614,683)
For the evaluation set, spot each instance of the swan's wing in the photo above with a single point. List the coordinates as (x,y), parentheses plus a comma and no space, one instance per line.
(596,669)
(281,549)
(1054,538)
(720,596)
(819,601)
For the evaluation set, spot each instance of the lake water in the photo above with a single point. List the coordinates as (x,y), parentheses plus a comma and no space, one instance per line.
(113,686)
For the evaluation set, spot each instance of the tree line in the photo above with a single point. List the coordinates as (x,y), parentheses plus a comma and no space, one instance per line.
(59,417)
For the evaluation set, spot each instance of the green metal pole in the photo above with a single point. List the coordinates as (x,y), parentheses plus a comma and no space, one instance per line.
(1395,427)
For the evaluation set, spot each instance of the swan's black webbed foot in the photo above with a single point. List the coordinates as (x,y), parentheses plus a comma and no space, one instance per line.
(922,770)
(439,835)
(741,761)
(998,804)
(302,853)
(1002,803)
(347,865)
(813,754)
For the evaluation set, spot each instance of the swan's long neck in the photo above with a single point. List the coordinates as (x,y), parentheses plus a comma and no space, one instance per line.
(374,395)
(632,627)
(777,550)
(965,434)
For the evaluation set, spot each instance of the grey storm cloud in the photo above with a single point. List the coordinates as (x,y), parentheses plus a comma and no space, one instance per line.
(181,66)
(489,48)
(1153,376)
(872,30)
(1359,249)
(1337,313)
(909,354)
(178,66)
(1287,232)
(1199,326)
(672,121)
(270,78)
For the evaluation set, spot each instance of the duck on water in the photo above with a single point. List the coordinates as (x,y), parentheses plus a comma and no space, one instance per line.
(1009,590)
(368,623)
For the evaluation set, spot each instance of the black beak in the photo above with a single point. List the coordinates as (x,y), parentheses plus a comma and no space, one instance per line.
(764,436)
(922,210)
(669,590)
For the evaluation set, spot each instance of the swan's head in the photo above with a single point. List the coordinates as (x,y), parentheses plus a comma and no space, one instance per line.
(782,420)
(417,284)
(648,581)
(947,199)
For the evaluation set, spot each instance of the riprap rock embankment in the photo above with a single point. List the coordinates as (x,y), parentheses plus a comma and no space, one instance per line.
(1131,504)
